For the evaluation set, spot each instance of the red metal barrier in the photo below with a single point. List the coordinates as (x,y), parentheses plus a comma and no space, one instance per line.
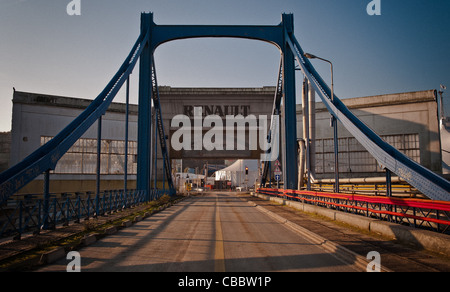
(374,205)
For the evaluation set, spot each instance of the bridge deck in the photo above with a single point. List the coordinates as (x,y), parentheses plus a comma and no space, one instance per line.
(223,232)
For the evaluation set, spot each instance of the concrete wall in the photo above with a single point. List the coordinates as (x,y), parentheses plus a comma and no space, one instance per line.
(38,115)
(5,149)
(217,101)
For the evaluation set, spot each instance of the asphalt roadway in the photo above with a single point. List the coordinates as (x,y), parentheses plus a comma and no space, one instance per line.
(212,232)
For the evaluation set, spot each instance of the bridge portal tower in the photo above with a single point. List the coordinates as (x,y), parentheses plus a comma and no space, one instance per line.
(277,35)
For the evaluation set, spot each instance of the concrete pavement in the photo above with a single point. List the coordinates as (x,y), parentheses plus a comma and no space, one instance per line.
(207,233)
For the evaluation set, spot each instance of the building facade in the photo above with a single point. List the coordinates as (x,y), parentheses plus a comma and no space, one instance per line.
(408,121)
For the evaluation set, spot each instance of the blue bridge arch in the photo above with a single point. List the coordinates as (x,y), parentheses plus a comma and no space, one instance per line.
(276,35)
(282,36)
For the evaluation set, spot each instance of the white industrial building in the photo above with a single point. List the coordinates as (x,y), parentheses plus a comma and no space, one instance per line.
(241,174)
(409,121)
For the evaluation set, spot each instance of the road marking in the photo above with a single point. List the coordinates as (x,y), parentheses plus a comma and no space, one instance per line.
(219,255)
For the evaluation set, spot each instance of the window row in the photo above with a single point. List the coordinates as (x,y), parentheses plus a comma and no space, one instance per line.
(82,157)
(353,157)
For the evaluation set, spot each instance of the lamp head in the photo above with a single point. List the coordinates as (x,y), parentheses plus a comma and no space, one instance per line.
(310,56)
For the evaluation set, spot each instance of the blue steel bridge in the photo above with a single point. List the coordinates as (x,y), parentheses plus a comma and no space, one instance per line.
(46,210)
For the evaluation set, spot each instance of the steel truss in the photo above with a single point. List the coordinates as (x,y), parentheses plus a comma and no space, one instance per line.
(26,213)
(276,35)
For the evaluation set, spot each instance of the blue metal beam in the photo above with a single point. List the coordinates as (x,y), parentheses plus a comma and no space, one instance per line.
(290,165)
(165,33)
(145,110)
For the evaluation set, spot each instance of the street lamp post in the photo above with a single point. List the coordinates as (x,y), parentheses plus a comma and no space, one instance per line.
(334,124)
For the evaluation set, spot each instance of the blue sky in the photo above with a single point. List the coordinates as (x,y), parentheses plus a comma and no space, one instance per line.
(44,50)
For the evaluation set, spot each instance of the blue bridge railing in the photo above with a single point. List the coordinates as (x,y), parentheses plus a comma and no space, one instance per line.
(25,213)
